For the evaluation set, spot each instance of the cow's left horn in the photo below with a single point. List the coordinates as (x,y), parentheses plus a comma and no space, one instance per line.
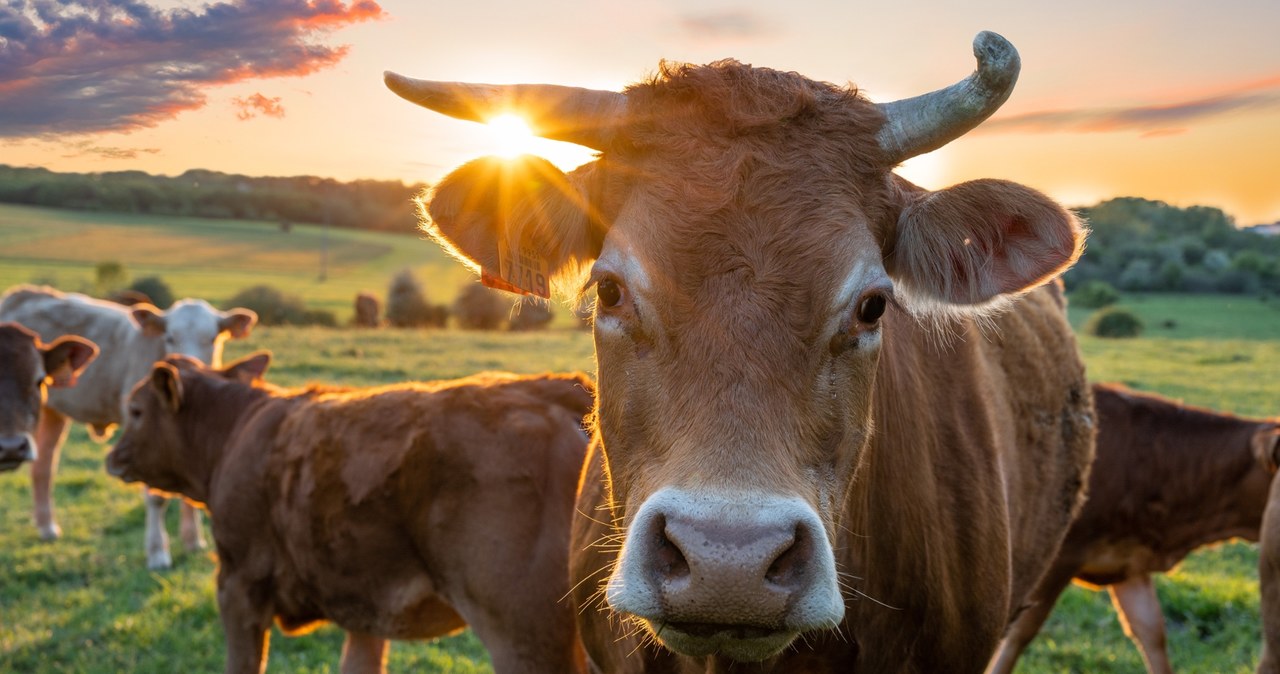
(587,117)
(914,126)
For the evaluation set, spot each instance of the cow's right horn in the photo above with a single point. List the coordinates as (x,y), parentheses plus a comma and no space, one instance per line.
(587,117)
(914,126)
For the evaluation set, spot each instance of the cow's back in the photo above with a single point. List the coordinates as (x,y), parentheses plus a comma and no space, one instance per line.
(124,358)
(965,499)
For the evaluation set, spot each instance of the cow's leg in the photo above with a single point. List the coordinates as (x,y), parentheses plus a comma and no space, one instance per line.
(51,431)
(1269,582)
(1027,624)
(1139,608)
(157,539)
(364,653)
(192,532)
(246,619)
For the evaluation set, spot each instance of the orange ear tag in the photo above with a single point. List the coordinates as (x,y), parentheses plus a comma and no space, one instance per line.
(523,273)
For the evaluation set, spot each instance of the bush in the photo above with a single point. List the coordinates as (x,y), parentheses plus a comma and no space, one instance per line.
(109,276)
(155,288)
(407,305)
(1095,295)
(479,308)
(1114,322)
(277,308)
(531,313)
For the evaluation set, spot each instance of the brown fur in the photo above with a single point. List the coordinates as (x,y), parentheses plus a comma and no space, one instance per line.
(28,367)
(398,512)
(746,196)
(1167,479)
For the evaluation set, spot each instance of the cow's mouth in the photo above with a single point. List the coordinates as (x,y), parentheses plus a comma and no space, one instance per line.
(746,643)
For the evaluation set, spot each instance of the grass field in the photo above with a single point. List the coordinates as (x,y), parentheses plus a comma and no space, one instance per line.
(215,259)
(87,604)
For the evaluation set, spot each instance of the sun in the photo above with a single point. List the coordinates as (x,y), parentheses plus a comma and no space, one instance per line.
(511,136)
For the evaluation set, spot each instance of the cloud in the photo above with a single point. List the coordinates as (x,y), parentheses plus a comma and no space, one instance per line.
(725,24)
(91,66)
(1149,120)
(258,104)
(82,148)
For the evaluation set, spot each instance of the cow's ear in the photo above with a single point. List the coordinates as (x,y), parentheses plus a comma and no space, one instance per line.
(976,241)
(66,358)
(524,203)
(237,322)
(1266,447)
(249,369)
(168,385)
(149,318)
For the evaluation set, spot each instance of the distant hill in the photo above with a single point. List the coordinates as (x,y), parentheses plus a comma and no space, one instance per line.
(381,205)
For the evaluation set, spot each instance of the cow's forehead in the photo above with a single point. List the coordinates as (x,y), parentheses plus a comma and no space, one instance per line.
(191,317)
(18,352)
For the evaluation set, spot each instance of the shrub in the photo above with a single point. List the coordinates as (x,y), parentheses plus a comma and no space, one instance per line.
(479,308)
(155,288)
(272,306)
(1095,295)
(407,305)
(367,310)
(1114,322)
(109,276)
(531,313)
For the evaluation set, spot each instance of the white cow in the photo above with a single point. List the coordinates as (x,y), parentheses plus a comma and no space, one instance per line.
(131,339)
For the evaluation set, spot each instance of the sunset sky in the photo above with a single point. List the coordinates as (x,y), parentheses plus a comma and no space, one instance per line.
(1169,100)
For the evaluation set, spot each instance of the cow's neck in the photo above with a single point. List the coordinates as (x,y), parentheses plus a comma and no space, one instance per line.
(213,410)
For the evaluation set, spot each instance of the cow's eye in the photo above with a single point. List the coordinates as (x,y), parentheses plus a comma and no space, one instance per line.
(610,293)
(871,307)
(135,413)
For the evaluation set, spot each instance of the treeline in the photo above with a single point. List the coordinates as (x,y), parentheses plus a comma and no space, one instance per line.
(1143,245)
(362,204)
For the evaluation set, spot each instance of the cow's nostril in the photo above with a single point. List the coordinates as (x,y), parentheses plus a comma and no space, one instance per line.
(788,569)
(668,558)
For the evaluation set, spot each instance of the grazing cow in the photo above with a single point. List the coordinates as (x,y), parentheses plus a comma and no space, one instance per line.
(27,368)
(821,410)
(131,339)
(1167,479)
(398,512)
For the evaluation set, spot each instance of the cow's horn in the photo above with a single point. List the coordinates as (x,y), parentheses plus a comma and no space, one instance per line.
(586,117)
(914,126)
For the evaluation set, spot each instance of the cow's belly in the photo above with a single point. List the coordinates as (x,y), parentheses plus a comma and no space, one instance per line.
(1112,562)
(400,603)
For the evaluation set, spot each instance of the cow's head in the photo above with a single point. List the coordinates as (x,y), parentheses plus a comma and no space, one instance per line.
(27,367)
(746,242)
(155,446)
(194,329)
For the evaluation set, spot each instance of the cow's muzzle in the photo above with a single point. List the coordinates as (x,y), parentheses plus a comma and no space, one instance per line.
(15,449)
(734,575)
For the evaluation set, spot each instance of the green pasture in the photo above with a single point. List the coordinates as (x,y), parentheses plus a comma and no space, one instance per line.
(215,259)
(87,604)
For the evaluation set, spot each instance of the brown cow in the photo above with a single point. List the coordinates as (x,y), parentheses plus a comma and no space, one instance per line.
(27,368)
(398,512)
(1167,479)
(821,410)
(1269,578)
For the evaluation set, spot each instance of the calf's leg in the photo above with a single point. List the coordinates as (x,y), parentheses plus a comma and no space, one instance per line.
(364,653)
(157,539)
(51,431)
(246,619)
(1139,608)
(1027,624)
(192,532)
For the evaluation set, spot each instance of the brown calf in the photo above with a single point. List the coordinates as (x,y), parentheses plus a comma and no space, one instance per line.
(27,367)
(1167,479)
(398,512)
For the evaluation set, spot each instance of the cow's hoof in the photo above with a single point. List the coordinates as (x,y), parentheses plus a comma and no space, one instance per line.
(159,561)
(50,532)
